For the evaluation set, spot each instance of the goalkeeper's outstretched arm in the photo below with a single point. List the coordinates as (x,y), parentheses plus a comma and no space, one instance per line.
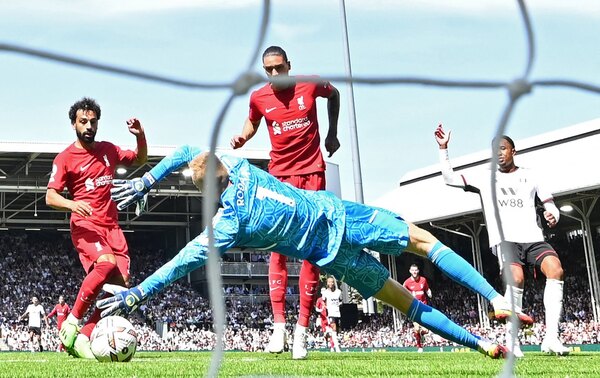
(181,156)
(128,192)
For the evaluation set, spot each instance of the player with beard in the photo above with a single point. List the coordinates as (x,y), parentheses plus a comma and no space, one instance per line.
(86,169)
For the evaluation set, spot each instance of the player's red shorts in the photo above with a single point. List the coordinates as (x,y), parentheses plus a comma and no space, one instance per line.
(93,241)
(310,181)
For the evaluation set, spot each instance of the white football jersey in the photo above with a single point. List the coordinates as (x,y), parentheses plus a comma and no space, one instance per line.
(35,313)
(515,195)
(332,301)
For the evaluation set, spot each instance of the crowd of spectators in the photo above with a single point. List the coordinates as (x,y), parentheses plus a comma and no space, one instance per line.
(45,265)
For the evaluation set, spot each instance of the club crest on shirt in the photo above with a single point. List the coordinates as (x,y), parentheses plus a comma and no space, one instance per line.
(301,105)
(276,128)
(89,184)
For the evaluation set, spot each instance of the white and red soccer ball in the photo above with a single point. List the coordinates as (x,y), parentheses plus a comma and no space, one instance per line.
(114,340)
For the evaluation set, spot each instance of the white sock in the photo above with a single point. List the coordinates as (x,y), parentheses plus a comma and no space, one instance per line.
(335,339)
(516,298)
(73,320)
(300,329)
(510,339)
(280,326)
(553,301)
(498,301)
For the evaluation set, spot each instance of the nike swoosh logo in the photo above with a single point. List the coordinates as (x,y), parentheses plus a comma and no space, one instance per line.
(274,288)
(269,110)
(83,168)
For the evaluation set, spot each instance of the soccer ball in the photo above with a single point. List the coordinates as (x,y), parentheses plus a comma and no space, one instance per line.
(114,340)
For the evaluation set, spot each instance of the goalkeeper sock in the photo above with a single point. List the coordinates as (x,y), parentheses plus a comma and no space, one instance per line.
(438,323)
(460,271)
(91,286)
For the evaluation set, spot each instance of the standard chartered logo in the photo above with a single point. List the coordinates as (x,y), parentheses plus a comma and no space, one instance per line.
(294,124)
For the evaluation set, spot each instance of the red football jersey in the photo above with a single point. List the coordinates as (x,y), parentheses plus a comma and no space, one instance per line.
(291,117)
(61,312)
(88,175)
(418,288)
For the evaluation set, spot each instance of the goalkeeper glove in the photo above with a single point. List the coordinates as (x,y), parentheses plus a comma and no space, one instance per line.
(124,301)
(127,192)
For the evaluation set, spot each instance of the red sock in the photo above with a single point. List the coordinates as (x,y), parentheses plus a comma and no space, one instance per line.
(278,285)
(418,337)
(93,320)
(308,282)
(91,323)
(91,286)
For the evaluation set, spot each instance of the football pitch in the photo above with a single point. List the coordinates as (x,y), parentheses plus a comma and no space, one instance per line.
(319,364)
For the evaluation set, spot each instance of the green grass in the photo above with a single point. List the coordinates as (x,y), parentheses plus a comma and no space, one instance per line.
(319,364)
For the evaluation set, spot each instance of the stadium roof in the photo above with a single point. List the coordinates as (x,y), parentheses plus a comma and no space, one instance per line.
(567,158)
(25,169)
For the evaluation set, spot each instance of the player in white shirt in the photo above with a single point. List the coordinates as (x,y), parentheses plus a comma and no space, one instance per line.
(36,312)
(332,297)
(524,245)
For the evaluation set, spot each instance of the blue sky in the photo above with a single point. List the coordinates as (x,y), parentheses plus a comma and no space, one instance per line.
(212,41)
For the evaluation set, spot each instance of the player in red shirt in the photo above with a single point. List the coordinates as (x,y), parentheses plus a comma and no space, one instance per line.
(419,288)
(290,112)
(61,310)
(86,169)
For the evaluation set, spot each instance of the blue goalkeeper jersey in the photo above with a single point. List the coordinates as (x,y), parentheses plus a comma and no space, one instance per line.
(260,212)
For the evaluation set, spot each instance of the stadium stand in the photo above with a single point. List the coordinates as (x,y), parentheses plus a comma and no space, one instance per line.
(45,264)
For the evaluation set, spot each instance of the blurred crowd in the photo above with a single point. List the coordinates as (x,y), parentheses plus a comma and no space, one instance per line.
(45,265)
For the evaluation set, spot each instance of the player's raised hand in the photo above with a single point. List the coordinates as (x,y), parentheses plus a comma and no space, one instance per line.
(127,192)
(124,301)
(332,144)
(441,137)
(135,126)
(237,141)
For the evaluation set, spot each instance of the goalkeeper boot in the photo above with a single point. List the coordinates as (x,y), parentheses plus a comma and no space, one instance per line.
(299,351)
(492,349)
(83,348)
(68,333)
(502,311)
(278,341)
